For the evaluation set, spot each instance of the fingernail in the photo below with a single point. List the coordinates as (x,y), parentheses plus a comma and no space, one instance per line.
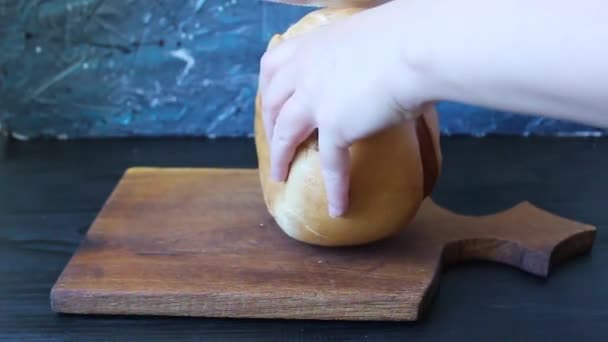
(335,211)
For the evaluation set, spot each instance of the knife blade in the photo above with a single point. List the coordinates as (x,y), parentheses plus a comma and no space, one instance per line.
(331,3)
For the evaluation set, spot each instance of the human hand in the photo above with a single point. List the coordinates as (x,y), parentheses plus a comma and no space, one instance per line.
(348,80)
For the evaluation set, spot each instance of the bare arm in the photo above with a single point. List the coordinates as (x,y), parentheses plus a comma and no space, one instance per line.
(547,58)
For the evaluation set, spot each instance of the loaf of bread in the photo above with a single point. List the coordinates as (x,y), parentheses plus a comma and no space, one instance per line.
(334,3)
(391,174)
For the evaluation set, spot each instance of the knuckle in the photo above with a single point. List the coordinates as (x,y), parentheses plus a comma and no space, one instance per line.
(270,103)
(333,126)
(297,106)
(330,122)
(281,148)
(272,100)
(282,139)
(267,61)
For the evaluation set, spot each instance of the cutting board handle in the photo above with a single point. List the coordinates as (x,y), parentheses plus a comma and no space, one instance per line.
(523,236)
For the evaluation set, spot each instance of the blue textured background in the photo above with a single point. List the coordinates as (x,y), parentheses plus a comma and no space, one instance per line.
(105,68)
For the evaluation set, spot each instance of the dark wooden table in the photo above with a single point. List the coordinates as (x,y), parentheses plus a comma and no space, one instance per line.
(51,191)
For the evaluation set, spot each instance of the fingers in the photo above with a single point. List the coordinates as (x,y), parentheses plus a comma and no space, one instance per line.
(272,60)
(277,83)
(293,126)
(335,163)
(277,92)
(288,122)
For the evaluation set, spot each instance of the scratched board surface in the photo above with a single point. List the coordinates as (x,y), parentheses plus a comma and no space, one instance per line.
(91,68)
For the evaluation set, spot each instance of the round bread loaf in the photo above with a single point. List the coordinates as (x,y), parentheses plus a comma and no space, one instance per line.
(391,174)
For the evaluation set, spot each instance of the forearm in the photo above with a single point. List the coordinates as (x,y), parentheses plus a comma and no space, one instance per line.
(538,57)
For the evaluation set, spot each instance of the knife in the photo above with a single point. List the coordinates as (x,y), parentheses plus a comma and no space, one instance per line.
(331,3)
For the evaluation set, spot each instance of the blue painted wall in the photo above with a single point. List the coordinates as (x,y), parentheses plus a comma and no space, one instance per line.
(105,68)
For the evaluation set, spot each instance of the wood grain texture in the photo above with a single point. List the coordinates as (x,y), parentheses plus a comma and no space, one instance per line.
(199,242)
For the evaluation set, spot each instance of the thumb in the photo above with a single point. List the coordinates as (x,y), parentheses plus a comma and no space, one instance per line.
(335,165)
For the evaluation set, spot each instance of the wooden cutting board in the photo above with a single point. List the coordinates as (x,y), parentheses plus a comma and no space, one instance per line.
(199,242)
